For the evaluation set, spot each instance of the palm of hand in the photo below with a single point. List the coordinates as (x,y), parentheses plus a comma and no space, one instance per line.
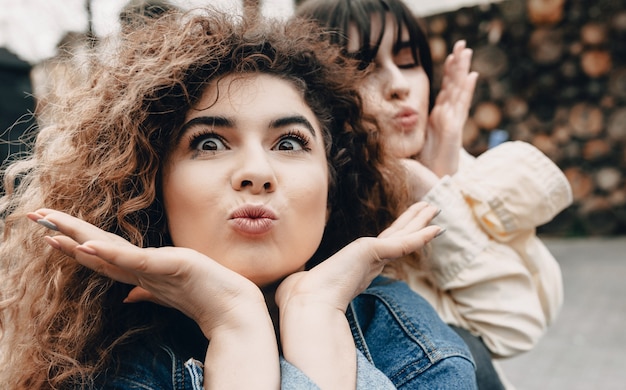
(449,114)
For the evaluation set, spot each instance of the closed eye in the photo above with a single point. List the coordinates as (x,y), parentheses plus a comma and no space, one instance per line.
(404,59)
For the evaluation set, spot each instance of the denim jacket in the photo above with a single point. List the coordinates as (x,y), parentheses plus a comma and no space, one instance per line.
(401,343)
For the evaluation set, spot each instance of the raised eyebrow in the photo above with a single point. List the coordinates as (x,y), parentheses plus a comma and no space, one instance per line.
(217,121)
(293,120)
(213,121)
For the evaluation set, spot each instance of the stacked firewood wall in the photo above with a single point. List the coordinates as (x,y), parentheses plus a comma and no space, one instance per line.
(552,73)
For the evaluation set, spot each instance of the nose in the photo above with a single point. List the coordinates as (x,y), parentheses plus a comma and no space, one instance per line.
(254,173)
(396,84)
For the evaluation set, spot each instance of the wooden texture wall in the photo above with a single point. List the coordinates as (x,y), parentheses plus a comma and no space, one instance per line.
(552,73)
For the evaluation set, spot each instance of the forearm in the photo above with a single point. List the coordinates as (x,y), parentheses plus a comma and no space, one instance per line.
(318,341)
(512,189)
(501,305)
(493,295)
(486,286)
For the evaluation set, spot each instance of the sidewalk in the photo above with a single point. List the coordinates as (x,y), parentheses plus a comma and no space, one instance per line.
(586,347)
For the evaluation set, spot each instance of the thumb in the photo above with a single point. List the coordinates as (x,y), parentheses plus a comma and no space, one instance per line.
(139,294)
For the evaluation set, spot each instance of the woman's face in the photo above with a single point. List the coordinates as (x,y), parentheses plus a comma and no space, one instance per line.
(397,92)
(247,182)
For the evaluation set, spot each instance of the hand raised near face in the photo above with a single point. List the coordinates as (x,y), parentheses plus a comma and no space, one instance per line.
(180,278)
(450,112)
(230,309)
(314,331)
(337,280)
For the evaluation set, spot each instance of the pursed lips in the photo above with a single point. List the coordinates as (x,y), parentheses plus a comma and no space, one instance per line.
(253,220)
(407,118)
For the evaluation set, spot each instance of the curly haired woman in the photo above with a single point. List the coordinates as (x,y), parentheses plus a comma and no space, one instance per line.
(190,222)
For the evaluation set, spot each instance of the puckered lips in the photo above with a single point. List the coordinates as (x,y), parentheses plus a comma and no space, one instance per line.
(253,220)
(406,119)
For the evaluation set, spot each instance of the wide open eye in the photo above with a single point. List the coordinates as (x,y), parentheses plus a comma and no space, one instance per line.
(208,142)
(292,141)
(289,144)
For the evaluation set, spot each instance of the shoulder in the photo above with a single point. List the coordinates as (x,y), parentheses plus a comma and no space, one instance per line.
(146,365)
(405,338)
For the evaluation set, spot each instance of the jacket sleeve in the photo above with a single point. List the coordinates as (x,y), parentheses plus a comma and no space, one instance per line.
(367,376)
(489,273)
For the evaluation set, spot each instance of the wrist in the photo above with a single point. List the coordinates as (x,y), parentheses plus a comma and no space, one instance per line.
(236,316)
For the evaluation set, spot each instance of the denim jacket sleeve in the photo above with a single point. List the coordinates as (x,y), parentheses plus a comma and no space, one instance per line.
(150,367)
(401,343)
(402,335)
(147,366)
(367,376)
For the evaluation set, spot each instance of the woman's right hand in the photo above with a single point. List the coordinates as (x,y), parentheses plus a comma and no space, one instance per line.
(181,278)
(230,309)
(449,113)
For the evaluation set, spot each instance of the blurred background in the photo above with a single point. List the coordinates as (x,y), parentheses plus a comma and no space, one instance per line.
(552,73)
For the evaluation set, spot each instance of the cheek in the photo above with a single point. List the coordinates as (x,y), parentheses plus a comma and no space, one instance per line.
(186,195)
(420,86)
(311,194)
(310,197)
(372,95)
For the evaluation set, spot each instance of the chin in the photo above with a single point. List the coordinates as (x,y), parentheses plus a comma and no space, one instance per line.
(405,145)
(405,151)
(264,280)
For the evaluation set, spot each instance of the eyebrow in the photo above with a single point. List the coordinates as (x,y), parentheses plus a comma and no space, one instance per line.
(293,120)
(220,121)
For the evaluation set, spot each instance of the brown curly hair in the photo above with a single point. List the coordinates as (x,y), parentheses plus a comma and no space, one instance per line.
(101,161)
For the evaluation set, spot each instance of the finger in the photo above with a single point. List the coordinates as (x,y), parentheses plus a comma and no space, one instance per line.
(72,249)
(457,66)
(418,223)
(165,261)
(470,87)
(398,246)
(459,46)
(457,57)
(140,294)
(73,227)
(404,219)
(414,218)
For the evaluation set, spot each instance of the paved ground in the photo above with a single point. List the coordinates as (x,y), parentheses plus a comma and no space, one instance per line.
(586,347)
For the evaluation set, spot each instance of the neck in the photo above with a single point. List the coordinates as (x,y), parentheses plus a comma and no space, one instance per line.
(269,292)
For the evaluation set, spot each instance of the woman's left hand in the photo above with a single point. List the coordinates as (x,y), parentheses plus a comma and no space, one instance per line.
(337,280)
(314,331)
(444,136)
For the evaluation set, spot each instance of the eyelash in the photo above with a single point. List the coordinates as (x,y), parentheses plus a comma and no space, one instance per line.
(196,138)
(298,136)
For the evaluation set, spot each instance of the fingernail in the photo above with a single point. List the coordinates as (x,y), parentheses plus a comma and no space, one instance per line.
(48,224)
(86,249)
(437,213)
(440,232)
(52,242)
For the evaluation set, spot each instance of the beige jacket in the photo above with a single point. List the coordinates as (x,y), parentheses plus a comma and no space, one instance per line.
(489,273)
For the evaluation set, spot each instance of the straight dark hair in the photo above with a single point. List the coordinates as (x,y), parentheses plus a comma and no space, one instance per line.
(336,16)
